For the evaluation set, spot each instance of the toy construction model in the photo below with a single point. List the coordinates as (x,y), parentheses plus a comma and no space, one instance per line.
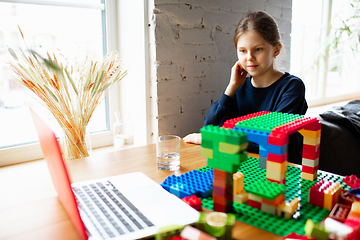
(267,192)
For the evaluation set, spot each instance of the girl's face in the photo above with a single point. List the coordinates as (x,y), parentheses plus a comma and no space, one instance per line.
(255,54)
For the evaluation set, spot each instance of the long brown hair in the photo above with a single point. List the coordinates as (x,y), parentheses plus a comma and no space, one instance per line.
(261,23)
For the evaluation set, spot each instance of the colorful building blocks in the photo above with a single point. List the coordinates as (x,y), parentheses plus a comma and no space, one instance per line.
(224,149)
(325,194)
(271,131)
(293,202)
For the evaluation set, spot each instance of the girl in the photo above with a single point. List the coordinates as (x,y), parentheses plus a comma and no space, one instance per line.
(257,40)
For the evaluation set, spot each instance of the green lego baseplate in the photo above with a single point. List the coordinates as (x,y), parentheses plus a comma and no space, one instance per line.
(295,187)
(267,122)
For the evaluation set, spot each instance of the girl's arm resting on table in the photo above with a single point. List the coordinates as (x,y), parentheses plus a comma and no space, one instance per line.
(193,138)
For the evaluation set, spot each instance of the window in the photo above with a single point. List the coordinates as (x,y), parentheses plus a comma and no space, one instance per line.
(329,75)
(76,28)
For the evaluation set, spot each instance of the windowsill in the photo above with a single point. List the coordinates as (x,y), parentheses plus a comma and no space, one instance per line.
(110,148)
(315,111)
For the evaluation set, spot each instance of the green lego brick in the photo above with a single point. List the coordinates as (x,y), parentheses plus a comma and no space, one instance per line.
(206,143)
(206,152)
(218,134)
(266,189)
(232,148)
(315,230)
(227,162)
(267,122)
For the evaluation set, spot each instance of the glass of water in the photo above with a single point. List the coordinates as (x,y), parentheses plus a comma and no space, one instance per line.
(168,152)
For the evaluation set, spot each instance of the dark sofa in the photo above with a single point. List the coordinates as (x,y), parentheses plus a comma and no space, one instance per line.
(340,139)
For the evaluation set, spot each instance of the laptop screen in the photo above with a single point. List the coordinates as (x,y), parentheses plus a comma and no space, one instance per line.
(59,176)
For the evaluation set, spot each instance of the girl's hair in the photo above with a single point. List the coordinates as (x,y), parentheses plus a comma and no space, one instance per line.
(261,23)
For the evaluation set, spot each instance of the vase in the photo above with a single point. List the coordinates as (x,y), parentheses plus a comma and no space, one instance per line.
(75,143)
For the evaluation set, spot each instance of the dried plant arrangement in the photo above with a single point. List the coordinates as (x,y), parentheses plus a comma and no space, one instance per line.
(70,91)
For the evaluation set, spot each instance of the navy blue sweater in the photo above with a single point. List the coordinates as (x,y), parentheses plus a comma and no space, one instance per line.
(286,95)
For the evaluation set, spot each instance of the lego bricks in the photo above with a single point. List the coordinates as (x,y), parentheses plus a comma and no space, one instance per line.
(267,192)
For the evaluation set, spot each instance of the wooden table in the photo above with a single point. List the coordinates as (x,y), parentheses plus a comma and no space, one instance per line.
(29,208)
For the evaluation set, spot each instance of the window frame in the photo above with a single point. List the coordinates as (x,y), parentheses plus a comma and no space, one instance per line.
(321,80)
(32,151)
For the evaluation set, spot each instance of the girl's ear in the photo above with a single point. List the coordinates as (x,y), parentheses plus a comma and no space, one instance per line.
(277,50)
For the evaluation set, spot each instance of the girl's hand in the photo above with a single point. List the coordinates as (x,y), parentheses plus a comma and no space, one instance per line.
(237,79)
(193,138)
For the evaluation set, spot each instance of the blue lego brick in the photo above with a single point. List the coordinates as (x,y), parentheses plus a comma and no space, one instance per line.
(180,190)
(261,138)
(191,183)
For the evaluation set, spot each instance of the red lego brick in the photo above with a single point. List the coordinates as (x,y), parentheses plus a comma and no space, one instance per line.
(310,170)
(254,204)
(313,124)
(226,192)
(223,208)
(231,122)
(278,138)
(177,238)
(348,198)
(218,199)
(316,197)
(353,222)
(352,181)
(277,158)
(311,152)
(294,236)
(194,202)
(340,212)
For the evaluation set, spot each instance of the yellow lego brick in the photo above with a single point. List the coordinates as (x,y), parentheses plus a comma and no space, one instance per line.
(254,197)
(240,198)
(238,181)
(308,176)
(311,141)
(275,175)
(355,209)
(206,152)
(268,208)
(274,166)
(232,148)
(288,209)
(310,134)
(331,196)
(310,162)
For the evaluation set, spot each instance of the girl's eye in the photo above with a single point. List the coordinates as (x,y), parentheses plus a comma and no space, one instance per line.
(242,51)
(258,49)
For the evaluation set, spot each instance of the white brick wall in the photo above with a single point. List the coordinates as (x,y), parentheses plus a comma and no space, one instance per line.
(193,51)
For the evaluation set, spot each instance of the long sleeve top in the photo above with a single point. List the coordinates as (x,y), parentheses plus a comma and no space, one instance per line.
(286,95)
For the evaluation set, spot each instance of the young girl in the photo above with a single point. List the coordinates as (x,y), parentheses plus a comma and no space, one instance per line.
(257,41)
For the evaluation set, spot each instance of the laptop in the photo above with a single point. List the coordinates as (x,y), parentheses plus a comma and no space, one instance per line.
(128,206)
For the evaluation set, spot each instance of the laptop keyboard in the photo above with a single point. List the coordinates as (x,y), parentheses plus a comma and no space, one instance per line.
(110,212)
